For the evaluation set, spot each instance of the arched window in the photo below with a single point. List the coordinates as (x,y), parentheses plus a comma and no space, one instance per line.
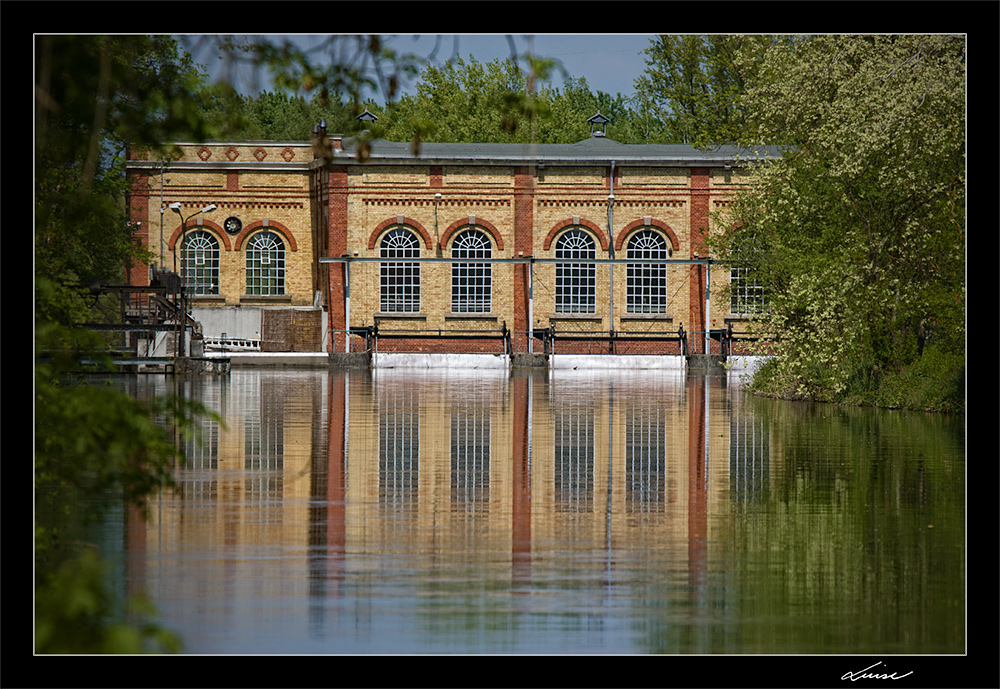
(399,280)
(471,283)
(746,293)
(576,283)
(201,263)
(646,283)
(265,264)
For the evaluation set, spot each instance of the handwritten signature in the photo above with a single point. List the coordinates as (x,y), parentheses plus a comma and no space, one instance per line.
(865,674)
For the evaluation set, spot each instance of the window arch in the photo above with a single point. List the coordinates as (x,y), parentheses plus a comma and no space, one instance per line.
(265,264)
(576,283)
(399,281)
(200,262)
(646,283)
(471,283)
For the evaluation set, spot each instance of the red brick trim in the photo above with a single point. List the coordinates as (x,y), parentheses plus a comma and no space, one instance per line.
(394,222)
(480,223)
(206,224)
(653,222)
(271,225)
(583,222)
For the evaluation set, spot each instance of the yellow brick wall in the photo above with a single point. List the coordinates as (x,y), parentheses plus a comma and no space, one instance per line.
(281,197)
(237,179)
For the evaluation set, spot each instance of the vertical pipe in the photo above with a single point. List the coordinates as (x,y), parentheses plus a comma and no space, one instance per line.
(347,306)
(531,305)
(708,289)
(161,213)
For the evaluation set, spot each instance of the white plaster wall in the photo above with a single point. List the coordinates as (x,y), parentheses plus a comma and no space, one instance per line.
(617,362)
(242,322)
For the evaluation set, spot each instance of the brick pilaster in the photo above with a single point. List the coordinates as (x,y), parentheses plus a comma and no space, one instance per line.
(337,243)
(699,249)
(138,273)
(524,224)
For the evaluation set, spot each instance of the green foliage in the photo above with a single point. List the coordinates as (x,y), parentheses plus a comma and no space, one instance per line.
(498,102)
(693,85)
(71,614)
(860,227)
(95,98)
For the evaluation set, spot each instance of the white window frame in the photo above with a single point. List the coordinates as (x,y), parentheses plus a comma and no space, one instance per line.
(576,283)
(399,281)
(265,264)
(472,283)
(646,283)
(201,262)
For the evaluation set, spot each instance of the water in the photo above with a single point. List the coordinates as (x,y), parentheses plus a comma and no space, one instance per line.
(569,512)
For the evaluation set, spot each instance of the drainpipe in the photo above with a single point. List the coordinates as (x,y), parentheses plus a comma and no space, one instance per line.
(708,289)
(531,306)
(347,306)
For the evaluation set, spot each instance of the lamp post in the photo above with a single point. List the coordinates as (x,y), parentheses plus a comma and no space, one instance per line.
(176,208)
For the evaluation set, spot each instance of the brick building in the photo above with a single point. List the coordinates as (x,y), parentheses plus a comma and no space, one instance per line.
(593,247)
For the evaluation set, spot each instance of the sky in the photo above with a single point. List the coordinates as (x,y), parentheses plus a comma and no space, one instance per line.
(609,62)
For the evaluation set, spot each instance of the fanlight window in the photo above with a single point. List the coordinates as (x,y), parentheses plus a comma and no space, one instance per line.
(576,285)
(399,280)
(265,264)
(471,283)
(201,263)
(646,283)
(747,296)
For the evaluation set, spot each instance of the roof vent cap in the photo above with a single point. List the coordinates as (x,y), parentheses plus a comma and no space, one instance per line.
(600,121)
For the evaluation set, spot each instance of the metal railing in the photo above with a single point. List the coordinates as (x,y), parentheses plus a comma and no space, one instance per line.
(373,333)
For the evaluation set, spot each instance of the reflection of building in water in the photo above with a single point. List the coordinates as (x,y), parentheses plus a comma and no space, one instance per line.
(749,455)
(437,462)
(470,455)
(573,428)
(398,448)
(645,458)
(201,451)
(264,444)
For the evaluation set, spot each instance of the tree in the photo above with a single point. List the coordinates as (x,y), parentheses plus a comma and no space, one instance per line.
(463,100)
(859,228)
(466,101)
(693,84)
(95,96)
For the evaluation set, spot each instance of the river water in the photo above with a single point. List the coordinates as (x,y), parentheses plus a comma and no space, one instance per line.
(560,512)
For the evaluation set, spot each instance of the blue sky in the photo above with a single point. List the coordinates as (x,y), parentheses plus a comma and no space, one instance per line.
(609,62)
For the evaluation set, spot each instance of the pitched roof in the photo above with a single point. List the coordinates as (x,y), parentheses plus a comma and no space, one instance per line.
(591,150)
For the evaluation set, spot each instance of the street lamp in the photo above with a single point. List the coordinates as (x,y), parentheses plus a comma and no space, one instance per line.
(176,208)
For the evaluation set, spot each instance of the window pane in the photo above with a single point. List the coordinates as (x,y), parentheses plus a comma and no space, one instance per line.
(471,283)
(265,264)
(400,281)
(747,295)
(201,263)
(576,288)
(646,283)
